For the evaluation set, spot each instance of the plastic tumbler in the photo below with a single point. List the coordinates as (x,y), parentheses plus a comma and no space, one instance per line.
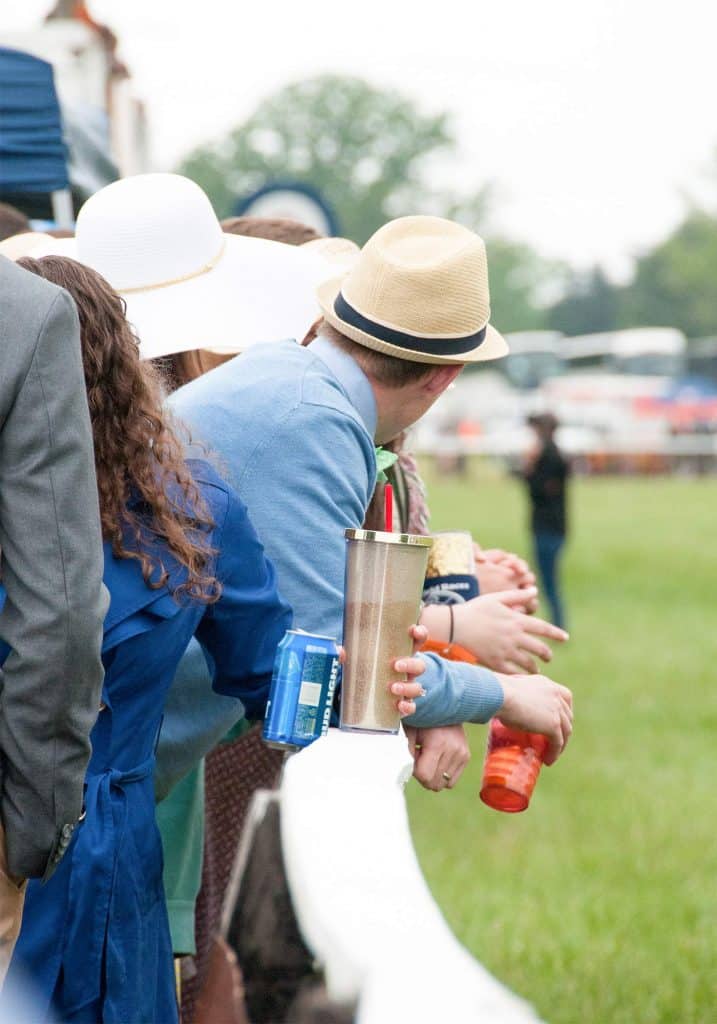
(512,765)
(384,580)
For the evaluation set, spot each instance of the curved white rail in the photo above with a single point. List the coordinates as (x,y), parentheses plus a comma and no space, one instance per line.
(362,903)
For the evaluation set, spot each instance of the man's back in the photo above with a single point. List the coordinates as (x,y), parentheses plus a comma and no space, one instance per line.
(294,429)
(52,570)
(284,429)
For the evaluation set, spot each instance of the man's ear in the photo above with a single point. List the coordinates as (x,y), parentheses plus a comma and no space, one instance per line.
(312,332)
(441,377)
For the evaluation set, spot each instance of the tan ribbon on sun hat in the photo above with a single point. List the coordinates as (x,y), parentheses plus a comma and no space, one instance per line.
(177,280)
(417,291)
(149,231)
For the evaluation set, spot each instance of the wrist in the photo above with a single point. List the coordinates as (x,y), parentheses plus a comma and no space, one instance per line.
(461,625)
(507,685)
(437,620)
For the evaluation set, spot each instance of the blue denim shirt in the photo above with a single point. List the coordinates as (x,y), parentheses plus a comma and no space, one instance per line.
(293,428)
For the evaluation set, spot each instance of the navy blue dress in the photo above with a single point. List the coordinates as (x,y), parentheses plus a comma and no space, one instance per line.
(95,940)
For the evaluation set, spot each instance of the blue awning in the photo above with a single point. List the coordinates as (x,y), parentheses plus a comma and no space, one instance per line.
(33,157)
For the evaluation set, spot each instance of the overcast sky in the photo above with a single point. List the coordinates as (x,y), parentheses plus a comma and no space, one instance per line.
(593,117)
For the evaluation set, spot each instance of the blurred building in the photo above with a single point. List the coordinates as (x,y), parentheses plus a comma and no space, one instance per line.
(104,121)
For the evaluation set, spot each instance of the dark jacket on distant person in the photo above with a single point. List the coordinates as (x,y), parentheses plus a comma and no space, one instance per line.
(546,481)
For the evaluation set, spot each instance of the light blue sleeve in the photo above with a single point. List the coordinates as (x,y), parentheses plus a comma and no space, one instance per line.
(455,693)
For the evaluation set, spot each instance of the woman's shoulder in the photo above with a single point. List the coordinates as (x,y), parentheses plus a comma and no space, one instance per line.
(213,488)
(129,591)
(207,475)
(228,511)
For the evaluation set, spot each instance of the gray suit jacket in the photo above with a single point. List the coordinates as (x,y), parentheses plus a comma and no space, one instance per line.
(52,570)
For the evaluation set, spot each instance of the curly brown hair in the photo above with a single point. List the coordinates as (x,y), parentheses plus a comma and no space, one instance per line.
(146,489)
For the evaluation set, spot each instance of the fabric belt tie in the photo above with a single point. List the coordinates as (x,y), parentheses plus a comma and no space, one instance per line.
(92,881)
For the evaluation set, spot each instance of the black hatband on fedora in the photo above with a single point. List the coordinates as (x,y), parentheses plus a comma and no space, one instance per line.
(432,347)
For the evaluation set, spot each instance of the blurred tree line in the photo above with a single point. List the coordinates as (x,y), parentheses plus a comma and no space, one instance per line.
(673,285)
(369,152)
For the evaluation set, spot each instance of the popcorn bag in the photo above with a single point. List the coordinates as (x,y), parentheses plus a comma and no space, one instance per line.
(450,576)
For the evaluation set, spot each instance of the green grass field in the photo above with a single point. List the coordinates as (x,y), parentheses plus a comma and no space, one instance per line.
(599,904)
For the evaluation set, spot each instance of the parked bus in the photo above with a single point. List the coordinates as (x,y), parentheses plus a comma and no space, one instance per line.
(620,365)
(535,356)
(638,351)
(702,359)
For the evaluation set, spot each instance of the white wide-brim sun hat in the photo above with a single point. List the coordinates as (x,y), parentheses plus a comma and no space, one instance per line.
(187,285)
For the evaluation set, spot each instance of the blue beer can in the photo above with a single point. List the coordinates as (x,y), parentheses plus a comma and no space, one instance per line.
(302,690)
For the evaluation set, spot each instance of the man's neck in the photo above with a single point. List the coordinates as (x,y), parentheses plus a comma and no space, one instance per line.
(388,402)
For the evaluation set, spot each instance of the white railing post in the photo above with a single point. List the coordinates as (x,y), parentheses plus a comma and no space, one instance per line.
(361,901)
(62,211)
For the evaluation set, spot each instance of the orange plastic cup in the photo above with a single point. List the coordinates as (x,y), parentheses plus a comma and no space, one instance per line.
(453,652)
(512,765)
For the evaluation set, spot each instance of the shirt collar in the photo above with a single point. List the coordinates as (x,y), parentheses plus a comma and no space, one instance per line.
(351,378)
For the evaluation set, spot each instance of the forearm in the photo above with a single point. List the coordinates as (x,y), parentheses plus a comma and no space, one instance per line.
(455,692)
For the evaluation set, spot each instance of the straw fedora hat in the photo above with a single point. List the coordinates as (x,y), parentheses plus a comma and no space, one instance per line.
(156,239)
(417,291)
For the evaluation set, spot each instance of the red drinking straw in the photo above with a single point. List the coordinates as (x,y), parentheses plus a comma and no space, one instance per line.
(388,508)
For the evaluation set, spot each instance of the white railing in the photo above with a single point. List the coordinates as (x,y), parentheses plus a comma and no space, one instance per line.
(360,898)
(680,446)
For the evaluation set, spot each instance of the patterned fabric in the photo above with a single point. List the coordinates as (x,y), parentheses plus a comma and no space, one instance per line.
(233,772)
(418,512)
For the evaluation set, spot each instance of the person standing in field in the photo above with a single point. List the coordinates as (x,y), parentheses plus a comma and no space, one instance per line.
(546,472)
